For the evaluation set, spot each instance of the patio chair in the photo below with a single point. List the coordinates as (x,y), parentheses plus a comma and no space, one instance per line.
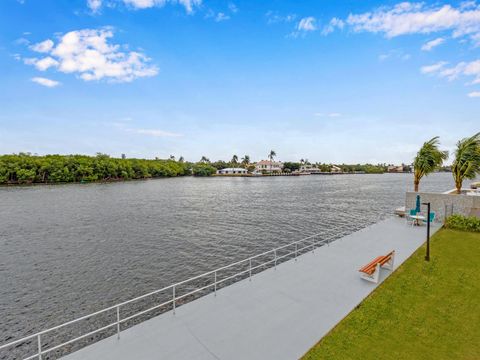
(410,220)
(432,216)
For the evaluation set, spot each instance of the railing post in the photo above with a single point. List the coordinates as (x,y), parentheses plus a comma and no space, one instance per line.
(296,246)
(215,285)
(39,343)
(118,322)
(250,270)
(313,245)
(275,252)
(173,299)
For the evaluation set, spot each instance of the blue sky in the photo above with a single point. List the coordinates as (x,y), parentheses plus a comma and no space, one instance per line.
(331,81)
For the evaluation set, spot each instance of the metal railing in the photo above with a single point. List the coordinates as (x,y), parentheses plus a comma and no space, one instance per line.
(293,249)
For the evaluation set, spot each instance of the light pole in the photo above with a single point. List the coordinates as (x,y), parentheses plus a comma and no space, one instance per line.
(427,255)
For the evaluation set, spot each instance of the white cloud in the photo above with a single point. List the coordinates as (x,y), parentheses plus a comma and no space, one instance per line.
(273,17)
(88,54)
(233,8)
(307,24)
(474,94)
(394,54)
(221,17)
(432,43)
(428,69)
(42,64)
(155,132)
(45,82)
(189,5)
(43,47)
(469,69)
(94,5)
(332,25)
(419,18)
(122,125)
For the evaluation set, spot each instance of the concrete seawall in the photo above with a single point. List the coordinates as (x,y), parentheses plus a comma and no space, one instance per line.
(442,203)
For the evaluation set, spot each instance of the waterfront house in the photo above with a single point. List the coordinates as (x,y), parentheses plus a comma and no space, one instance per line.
(309,169)
(232,171)
(268,166)
(335,169)
(395,169)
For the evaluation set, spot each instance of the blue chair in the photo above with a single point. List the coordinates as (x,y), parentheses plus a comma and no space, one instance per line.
(432,216)
(412,212)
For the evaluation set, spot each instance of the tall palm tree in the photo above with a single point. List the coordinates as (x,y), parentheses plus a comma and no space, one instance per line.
(428,159)
(467,160)
(204,160)
(271,156)
(245,161)
(234,160)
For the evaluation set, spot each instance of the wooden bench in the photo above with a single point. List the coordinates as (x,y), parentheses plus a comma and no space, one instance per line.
(371,271)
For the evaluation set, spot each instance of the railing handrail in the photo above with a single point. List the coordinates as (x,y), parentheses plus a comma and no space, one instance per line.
(174,299)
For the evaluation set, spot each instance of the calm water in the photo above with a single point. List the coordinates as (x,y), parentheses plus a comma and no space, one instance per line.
(69,250)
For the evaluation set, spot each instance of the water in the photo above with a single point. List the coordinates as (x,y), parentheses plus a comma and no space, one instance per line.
(69,250)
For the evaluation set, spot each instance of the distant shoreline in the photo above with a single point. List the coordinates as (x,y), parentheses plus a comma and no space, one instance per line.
(112,181)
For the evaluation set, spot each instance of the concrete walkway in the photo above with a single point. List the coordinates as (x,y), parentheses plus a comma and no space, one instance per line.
(280,314)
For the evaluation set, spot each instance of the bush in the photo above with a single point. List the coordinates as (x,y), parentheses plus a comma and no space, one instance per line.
(464,223)
(203,170)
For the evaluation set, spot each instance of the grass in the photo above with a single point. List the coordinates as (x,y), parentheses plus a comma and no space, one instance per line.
(425,310)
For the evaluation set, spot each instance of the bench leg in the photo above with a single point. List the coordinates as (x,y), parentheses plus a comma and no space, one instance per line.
(389,264)
(374,277)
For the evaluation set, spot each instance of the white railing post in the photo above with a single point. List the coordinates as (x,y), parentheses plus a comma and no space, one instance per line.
(215,284)
(173,299)
(250,270)
(39,344)
(275,252)
(296,246)
(118,322)
(313,245)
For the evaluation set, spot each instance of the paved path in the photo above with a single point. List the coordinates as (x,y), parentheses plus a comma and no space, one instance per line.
(280,314)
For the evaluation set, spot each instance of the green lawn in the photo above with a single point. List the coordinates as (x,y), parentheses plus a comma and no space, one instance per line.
(425,310)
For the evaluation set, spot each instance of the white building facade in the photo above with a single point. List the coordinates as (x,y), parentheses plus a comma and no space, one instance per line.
(232,171)
(268,166)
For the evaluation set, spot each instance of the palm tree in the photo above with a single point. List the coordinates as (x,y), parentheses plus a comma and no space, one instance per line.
(467,160)
(204,160)
(245,161)
(234,160)
(180,159)
(271,156)
(428,159)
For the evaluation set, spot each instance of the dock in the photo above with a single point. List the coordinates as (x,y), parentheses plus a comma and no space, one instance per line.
(279,314)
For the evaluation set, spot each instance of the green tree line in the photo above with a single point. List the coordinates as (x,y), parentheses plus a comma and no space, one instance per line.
(27,169)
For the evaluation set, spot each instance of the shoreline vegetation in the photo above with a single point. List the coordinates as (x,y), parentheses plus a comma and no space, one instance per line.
(28,169)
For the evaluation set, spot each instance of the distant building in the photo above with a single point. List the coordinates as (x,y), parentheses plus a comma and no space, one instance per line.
(231,171)
(123,156)
(268,166)
(309,169)
(335,169)
(395,169)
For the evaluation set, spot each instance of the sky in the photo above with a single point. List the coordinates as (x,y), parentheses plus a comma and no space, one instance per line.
(328,81)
